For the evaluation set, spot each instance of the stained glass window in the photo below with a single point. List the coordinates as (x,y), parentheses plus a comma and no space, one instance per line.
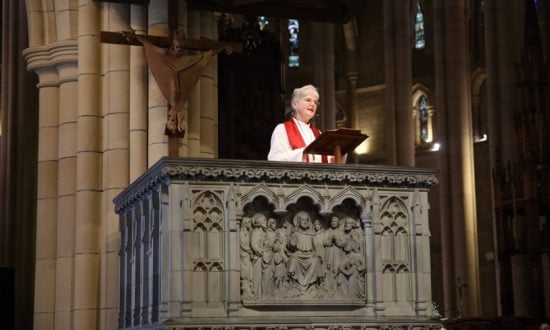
(419,37)
(293,54)
(423,119)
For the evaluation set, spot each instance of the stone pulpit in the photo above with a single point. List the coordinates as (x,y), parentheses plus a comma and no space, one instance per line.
(226,244)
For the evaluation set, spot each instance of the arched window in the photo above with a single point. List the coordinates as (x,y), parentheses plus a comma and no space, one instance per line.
(423,114)
(419,36)
(293,54)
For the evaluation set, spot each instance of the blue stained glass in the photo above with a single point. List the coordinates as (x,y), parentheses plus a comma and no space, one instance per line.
(419,37)
(423,114)
(293,31)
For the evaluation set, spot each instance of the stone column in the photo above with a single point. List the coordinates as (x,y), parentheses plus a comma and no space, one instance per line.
(502,53)
(398,72)
(208,93)
(457,202)
(352,73)
(56,66)
(88,177)
(116,82)
(138,97)
(66,212)
(323,73)
(157,104)
(46,204)
(194,105)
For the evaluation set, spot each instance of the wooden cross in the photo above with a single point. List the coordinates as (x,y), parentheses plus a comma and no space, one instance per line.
(176,74)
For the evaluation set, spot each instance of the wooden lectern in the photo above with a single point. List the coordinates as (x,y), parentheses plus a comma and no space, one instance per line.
(336,142)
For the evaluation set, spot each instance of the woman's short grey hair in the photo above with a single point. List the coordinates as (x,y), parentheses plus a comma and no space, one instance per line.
(300,93)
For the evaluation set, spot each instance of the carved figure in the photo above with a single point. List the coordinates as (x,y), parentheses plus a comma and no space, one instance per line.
(352,232)
(245,257)
(304,266)
(257,240)
(333,241)
(351,272)
(268,256)
(318,239)
(280,255)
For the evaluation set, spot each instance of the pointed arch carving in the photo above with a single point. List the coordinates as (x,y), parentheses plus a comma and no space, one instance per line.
(395,243)
(347,193)
(306,191)
(208,225)
(207,211)
(261,190)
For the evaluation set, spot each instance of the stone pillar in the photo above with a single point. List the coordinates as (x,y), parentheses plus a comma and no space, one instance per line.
(66,212)
(115,157)
(46,204)
(157,104)
(138,97)
(352,73)
(323,73)
(502,53)
(457,202)
(88,177)
(193,133)
(208,93)
(398,72)
(56,66)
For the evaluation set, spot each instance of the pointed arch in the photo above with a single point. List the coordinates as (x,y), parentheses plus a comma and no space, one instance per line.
(261,190)
(423,116)
(306,191)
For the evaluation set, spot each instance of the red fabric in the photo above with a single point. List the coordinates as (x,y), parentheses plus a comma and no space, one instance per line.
(295,138)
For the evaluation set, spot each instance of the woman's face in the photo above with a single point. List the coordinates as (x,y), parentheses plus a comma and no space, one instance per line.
(306,107)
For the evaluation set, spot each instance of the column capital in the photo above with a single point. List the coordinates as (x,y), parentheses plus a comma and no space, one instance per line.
(52,61)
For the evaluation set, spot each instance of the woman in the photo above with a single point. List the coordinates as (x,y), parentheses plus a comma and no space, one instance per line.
(289,139)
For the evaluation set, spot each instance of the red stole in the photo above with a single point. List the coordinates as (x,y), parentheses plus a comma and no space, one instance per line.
(295,138)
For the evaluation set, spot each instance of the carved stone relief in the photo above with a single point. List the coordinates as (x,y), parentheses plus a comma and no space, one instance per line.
(301,255)
(208,265)
(395,251)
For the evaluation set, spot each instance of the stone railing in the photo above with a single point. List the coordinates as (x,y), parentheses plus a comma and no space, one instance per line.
(255,245)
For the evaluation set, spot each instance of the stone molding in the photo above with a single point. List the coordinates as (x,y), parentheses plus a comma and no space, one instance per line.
(200,169)
(42,59)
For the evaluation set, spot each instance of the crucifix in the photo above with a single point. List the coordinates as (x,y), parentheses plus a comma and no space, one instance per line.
(176,73)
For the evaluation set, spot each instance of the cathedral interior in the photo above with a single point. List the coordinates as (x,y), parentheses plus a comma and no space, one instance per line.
(459,86)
